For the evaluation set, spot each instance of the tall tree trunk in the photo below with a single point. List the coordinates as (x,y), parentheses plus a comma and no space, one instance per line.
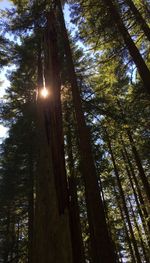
(125,227)
(77,242)
(138,231)
(142,202)
(136,155)
(110,224)
(52,242)
(6,244)
(139,165)
(17,255)
(76,233)
(133,50)
(135,194)
(30,210)
(123,199)
(101,245)
(140,20)
(53,112)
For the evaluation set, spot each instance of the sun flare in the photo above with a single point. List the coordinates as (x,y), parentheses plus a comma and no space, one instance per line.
(44,92)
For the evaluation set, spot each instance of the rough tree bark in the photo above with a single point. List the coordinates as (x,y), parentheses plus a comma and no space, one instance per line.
(52,242)
(101,246)
(76,233)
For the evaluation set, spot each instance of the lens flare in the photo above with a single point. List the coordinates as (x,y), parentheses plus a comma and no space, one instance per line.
(44,92)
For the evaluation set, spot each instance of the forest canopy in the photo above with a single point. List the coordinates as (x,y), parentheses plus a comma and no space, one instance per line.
(74,168)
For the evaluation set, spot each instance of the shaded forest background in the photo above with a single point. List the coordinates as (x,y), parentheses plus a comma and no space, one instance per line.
(74,170)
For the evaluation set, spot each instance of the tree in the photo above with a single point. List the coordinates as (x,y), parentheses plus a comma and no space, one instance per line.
(97,222)
(78,156)
(109,7)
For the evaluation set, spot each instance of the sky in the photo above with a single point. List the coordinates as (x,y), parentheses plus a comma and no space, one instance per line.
(5,83)
(4,4)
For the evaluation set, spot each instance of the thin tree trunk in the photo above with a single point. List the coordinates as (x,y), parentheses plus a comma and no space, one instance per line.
(133,50)
(17,255)
(139,231)
(7,238)
(76,233)
(139,165)
(52,242)
(135,194)
(13,240)
(136,156)
(123,199)
(140,20)
(110,224)
(125,227)
(77,242)
(101,246)
(30,210)
(142,202)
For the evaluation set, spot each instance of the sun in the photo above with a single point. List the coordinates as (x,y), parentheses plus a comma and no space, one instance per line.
(44,92)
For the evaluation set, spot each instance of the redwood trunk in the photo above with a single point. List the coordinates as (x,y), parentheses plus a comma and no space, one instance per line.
(52,242)
(101,246)
(76,233)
